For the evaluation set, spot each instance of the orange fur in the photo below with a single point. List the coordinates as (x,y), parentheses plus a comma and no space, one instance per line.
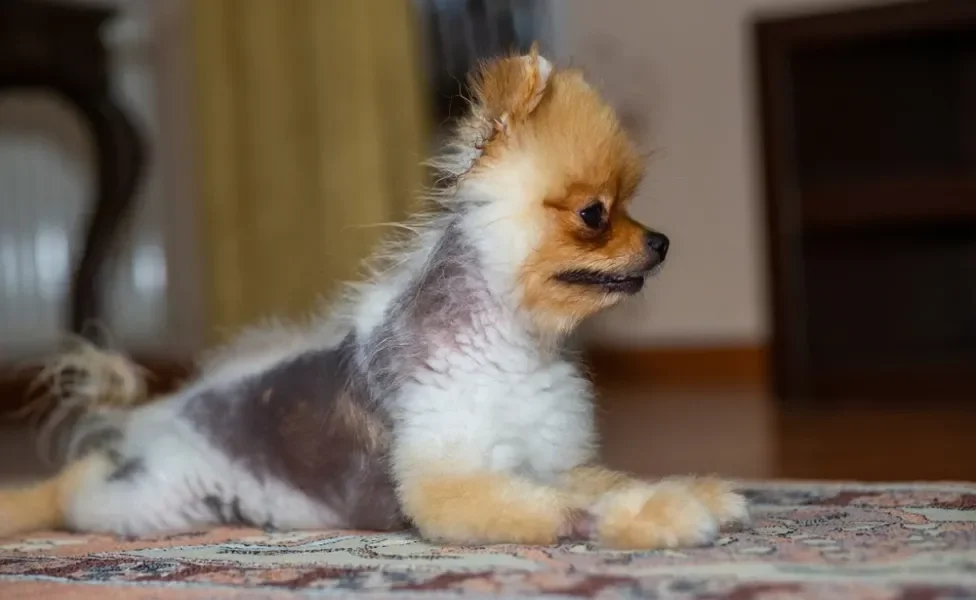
(41,506)
(672,513)
(508,89)
(654,516)
(609,506)
(719,496)
(487,508)
(591,482)
(633,514)
(578,153)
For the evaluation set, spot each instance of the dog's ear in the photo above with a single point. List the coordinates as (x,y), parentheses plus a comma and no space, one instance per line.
(507,90)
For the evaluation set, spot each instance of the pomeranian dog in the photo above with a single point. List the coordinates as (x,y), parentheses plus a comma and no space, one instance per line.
(440,394)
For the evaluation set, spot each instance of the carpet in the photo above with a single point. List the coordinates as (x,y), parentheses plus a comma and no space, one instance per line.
(905,541)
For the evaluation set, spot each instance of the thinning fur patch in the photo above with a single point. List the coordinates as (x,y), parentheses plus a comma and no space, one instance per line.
(309,423)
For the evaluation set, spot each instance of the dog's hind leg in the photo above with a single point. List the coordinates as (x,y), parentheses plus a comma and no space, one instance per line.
(43,505)
(106,493)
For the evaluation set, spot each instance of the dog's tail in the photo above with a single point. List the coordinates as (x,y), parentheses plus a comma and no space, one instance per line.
(81,395)
(80,401)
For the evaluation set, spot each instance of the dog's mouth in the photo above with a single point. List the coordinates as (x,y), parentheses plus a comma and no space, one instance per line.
(620,283)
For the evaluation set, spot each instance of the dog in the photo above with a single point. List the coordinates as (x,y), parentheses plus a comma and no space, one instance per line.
(439,394)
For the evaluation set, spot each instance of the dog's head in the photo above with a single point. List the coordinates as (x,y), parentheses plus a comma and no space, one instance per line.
(553,172)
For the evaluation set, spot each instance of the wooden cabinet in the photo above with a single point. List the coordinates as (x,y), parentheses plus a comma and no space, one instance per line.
(869,151)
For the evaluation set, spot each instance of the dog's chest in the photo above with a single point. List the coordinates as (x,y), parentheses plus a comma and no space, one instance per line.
(504,410)
(533,435)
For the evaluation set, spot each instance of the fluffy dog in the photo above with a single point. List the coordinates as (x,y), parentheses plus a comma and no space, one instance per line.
(438,395)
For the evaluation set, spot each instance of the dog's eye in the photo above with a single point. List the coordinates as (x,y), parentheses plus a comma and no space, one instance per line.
(593,215)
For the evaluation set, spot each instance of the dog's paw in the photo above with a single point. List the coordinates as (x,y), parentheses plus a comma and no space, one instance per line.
(729,507)
(654,516)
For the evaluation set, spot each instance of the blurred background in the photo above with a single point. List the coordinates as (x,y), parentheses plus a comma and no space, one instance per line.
(171,170)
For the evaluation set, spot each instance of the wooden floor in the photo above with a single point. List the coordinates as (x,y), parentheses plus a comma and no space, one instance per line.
(740,431)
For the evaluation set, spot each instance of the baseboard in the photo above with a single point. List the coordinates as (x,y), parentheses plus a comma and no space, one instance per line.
(162,375)
(708,365)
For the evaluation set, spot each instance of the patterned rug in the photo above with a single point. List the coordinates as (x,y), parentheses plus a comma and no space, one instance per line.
(807,541)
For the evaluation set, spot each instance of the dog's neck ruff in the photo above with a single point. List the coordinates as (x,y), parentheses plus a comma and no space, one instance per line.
(446,312)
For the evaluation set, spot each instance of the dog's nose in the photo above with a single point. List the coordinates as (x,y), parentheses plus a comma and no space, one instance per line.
(658,242)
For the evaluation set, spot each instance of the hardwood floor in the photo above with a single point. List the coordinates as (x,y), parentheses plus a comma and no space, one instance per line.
(658,431)
(929,441)
(743,432)
(19,463)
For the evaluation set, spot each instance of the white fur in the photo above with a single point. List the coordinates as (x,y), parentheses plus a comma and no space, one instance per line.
(502,227)
(494,403)
(544,67)
(181,471)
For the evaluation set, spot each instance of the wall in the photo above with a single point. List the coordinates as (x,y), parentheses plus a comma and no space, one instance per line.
(681,71)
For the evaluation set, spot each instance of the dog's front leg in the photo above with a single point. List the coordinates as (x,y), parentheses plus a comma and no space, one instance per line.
(488,507)
(630,513)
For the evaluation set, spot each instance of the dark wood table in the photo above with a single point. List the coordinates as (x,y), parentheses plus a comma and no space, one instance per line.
(58,47)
